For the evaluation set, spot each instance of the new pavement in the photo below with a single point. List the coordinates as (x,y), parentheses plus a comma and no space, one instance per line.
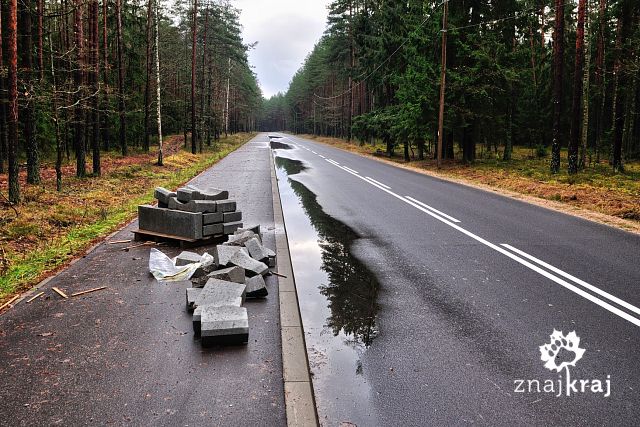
(471,285)
(126,355)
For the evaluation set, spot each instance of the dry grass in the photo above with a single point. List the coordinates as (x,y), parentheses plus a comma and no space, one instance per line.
(48,228)
(596,189)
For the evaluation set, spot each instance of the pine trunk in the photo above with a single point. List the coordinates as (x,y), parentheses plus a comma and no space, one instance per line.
(147,85)
(28,125)
(121,104)
(12,59)
(599,82)
(94,71)
(194,31)
(558,66)
(79,81)
(620,88)
(3,99)
(576,106)
(158,99)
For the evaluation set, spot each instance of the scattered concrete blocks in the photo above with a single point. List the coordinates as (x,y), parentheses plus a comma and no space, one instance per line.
(256,250)
(224,325)
(170,222)
(187,257)
(230,274)
(226,205)
(240,239)
(222,254)
(250,265)
(217,293)
(256,287)
(192,295)
(190,192)
(204,206)
(255,229)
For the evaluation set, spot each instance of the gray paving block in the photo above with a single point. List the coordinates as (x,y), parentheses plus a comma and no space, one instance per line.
(229,274)
(232,216)
(212,218)
(230,227)
(190,192)
(224,325)
(256,250)
(204,206)
(163,205)
(172,222)
(162,195)
(226,205)
(250,265)
(217,293)
(187,257)
(256,287)
(212,230)
(192,295)
(240,239)
(222,254)
(255,229)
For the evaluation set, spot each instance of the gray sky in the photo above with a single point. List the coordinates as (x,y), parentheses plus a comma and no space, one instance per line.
(286,31)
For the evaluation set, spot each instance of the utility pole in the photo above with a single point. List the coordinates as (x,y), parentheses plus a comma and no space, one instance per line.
(443,75)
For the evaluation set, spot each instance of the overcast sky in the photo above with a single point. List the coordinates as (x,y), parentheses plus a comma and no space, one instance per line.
(286,31)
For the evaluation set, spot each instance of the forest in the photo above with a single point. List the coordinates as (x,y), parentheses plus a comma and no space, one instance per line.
(81,78)
(557,76)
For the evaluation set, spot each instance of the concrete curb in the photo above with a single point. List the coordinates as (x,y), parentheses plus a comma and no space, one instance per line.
(298,389)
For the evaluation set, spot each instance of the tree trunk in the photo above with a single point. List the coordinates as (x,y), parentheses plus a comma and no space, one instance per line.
(56,121)
(158,100)
(12,57)
(121,105)
(576,106)
(147,85)
(558,65)
(600,80)
(40,13)
(3,100)
(585,91)
(194,29)
(95,88)
(620,88)
(79,81)
(106,143)
(202,77)
(26,50)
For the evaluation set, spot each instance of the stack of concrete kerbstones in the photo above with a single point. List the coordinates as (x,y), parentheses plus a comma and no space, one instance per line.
(216,293)
(190,213)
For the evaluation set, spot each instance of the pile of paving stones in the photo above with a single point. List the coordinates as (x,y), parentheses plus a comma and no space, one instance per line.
(216,293)
(191,213)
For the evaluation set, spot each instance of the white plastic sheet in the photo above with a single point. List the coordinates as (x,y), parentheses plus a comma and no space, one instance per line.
(164,268)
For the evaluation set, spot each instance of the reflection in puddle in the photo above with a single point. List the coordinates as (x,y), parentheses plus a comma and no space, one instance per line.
(280,145)
(337,296)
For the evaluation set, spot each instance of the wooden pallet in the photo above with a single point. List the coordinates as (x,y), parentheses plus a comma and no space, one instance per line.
(183,242)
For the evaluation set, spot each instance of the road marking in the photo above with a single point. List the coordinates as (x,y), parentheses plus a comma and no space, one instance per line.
(432,209)
(333,162)
(322,156)
(378,182)
(350,170)
(503,251)
(313,152)
(575,279)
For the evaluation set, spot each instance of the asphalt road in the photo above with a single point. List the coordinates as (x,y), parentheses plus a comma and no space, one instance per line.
(127,355)
(461,315)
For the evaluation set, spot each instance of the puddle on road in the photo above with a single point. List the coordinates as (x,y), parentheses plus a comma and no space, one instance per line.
(280,145)
(338,301)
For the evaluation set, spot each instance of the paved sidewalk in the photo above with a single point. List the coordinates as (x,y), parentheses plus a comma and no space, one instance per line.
(126,355)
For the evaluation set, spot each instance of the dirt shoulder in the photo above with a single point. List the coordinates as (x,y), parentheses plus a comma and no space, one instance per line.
(595,194)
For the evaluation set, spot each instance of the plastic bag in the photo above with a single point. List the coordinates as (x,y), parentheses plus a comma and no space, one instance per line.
(164,268)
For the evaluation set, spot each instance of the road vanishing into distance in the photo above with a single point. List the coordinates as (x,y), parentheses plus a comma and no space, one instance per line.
(426,302)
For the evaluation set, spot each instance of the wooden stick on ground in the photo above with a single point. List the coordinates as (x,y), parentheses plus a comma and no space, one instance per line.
(278,274)
(59,292)
(115,242)
(88,291)
(139,244)
(8,303)
(38,295)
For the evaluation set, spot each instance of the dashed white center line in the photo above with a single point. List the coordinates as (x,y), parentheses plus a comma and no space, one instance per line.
(333,162)
(432,209)
(379,183)
(350,170)
(322,156)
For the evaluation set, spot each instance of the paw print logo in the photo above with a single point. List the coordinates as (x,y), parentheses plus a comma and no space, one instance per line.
(562,352)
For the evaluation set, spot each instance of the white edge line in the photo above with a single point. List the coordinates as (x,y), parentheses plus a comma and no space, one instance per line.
(378,182)
(580,282)
(350,170)
(433,209)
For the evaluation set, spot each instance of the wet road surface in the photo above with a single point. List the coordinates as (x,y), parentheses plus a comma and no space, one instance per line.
(465,287)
